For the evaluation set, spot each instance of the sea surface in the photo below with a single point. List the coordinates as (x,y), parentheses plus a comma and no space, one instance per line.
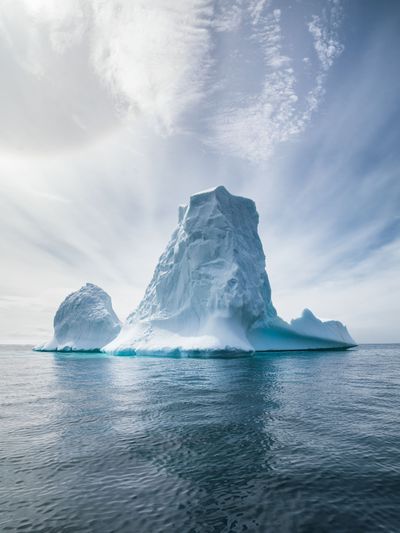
(278,442)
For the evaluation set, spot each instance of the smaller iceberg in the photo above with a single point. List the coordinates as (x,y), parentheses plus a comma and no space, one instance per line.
(85,321)
(330,330)
(305,333)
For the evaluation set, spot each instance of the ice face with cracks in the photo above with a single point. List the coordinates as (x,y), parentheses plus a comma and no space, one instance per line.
(210,291)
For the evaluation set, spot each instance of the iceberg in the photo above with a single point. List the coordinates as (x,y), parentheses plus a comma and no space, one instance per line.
(210,291)
(85,321)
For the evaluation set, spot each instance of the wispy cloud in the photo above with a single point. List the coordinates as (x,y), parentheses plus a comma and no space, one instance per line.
(85,67)
(154,55)
(251,126)
(91,66)
(324,29)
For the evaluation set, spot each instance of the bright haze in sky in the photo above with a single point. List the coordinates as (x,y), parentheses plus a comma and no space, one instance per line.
(114,112)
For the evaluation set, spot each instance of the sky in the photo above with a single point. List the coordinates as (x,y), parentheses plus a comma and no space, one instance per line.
(113,112)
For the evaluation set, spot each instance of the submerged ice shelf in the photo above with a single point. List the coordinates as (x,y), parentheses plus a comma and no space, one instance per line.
(209,293)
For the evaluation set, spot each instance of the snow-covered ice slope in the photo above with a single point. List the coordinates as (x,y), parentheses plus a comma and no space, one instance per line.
(84,321)
(210,290)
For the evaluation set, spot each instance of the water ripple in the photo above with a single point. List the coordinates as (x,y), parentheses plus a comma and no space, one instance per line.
(279,442)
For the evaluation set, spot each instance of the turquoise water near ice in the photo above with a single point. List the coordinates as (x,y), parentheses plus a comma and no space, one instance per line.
(304,442)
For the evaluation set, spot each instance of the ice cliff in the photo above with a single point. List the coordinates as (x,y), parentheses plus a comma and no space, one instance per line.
(210,290)
(85,320)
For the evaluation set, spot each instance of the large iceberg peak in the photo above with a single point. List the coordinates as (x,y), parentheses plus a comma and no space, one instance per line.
(213,268)
(85,320)
(210,285)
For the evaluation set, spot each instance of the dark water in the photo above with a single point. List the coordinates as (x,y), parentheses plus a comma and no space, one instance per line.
(278,442)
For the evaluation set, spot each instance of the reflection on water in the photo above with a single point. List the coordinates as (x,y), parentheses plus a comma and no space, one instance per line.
(277,442)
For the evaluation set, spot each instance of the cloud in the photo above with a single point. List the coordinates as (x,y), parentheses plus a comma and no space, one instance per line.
(252,125)
(84,68)
(66,22)
(252,129)
(153,55)
(324,30)
(224,70)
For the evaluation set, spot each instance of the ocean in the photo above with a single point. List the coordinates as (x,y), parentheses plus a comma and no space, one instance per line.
(276,442)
